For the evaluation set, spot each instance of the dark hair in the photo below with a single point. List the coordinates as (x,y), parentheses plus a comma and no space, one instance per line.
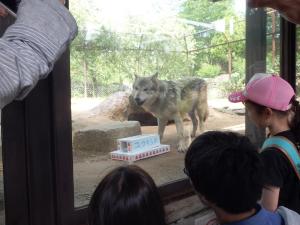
(226,169)
(127,195)
(295,123)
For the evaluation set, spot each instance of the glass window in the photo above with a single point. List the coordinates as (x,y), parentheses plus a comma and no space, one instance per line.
(197,48)
(273,41)
(2,212)
(298,61)
(5,20)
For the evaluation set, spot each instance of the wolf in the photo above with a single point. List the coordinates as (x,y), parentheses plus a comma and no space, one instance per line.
(172,100)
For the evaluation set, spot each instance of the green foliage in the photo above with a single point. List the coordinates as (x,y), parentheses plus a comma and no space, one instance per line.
(206,10)
(239,66)
(273,68)
(102,57)
(106,57)
(209,71)
(273,58)
(218,45)
(236,83)
(237,79)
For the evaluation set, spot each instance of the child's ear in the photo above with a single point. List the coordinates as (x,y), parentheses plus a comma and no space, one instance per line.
(268,112)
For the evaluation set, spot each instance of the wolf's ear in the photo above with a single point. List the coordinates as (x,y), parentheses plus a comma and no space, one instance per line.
(136,76)
(154,76)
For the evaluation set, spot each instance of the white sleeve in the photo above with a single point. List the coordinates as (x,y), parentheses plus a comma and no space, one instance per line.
(30,47)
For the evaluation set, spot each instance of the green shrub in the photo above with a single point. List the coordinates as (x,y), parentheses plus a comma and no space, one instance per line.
(236,83)
(238,65)
(208,70)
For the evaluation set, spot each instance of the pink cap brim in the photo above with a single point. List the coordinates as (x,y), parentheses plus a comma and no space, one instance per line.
(237,97)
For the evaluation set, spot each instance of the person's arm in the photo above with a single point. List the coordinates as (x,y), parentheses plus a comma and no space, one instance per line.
(270,197)
(30,47)
(3,12)
(290,9)
(275,172)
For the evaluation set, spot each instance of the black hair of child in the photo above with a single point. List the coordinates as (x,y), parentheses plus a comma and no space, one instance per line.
(226,169)
(127,195)
(294,124)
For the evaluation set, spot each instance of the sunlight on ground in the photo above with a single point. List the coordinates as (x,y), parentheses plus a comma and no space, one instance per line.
(236,128)
(84,104)
(87,104)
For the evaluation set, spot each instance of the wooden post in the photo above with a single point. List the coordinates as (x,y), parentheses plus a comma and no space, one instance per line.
(256,21)
(273,38)
(288,51)
(85,72)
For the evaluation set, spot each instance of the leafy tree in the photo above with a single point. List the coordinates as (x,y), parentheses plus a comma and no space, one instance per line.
(219,48)
(105,57)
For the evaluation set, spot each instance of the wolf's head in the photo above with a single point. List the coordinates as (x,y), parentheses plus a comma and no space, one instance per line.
(145,90)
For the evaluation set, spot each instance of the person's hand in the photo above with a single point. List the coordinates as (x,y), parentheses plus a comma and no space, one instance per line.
(3,12)
(289,9)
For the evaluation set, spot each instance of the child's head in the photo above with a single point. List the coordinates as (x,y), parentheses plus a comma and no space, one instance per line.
(225,170)
(127,195)
(268,90)
(266,95)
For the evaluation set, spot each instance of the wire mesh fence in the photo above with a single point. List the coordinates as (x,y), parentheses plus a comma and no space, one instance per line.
(80,89)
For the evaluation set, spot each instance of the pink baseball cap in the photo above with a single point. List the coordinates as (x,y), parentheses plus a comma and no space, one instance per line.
(268,90)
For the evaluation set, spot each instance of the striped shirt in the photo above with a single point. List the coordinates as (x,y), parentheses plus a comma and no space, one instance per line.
(30,47)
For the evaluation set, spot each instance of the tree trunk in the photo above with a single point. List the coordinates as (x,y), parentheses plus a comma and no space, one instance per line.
(229,62)
(85,71)
(273,39)
(94,83)
(139,55)
(187,54)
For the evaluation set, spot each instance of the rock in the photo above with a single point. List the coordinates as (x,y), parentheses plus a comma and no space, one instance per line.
(120,106)
(102,138)
(114,106)
(240,112)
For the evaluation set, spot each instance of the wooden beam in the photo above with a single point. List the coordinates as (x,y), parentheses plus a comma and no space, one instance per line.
(256,43)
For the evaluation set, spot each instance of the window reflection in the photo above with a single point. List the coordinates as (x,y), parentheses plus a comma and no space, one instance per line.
(177,39)
(298,61)
(5,20)
(1,181)
(273,41)
(2,212)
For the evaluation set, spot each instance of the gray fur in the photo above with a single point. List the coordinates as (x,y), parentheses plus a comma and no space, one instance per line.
(171,100)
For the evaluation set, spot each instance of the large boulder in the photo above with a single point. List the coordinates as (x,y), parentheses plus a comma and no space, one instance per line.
(120,106)
(114,106)
(102,138)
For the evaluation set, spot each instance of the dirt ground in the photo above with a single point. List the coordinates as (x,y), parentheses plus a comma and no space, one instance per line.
(89,168)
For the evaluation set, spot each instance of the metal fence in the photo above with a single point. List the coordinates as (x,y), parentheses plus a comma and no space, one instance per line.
(79,89)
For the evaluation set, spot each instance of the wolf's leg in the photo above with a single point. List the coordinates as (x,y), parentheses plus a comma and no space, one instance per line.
(161,127)
(202,114)
(194,121)
(183,136)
